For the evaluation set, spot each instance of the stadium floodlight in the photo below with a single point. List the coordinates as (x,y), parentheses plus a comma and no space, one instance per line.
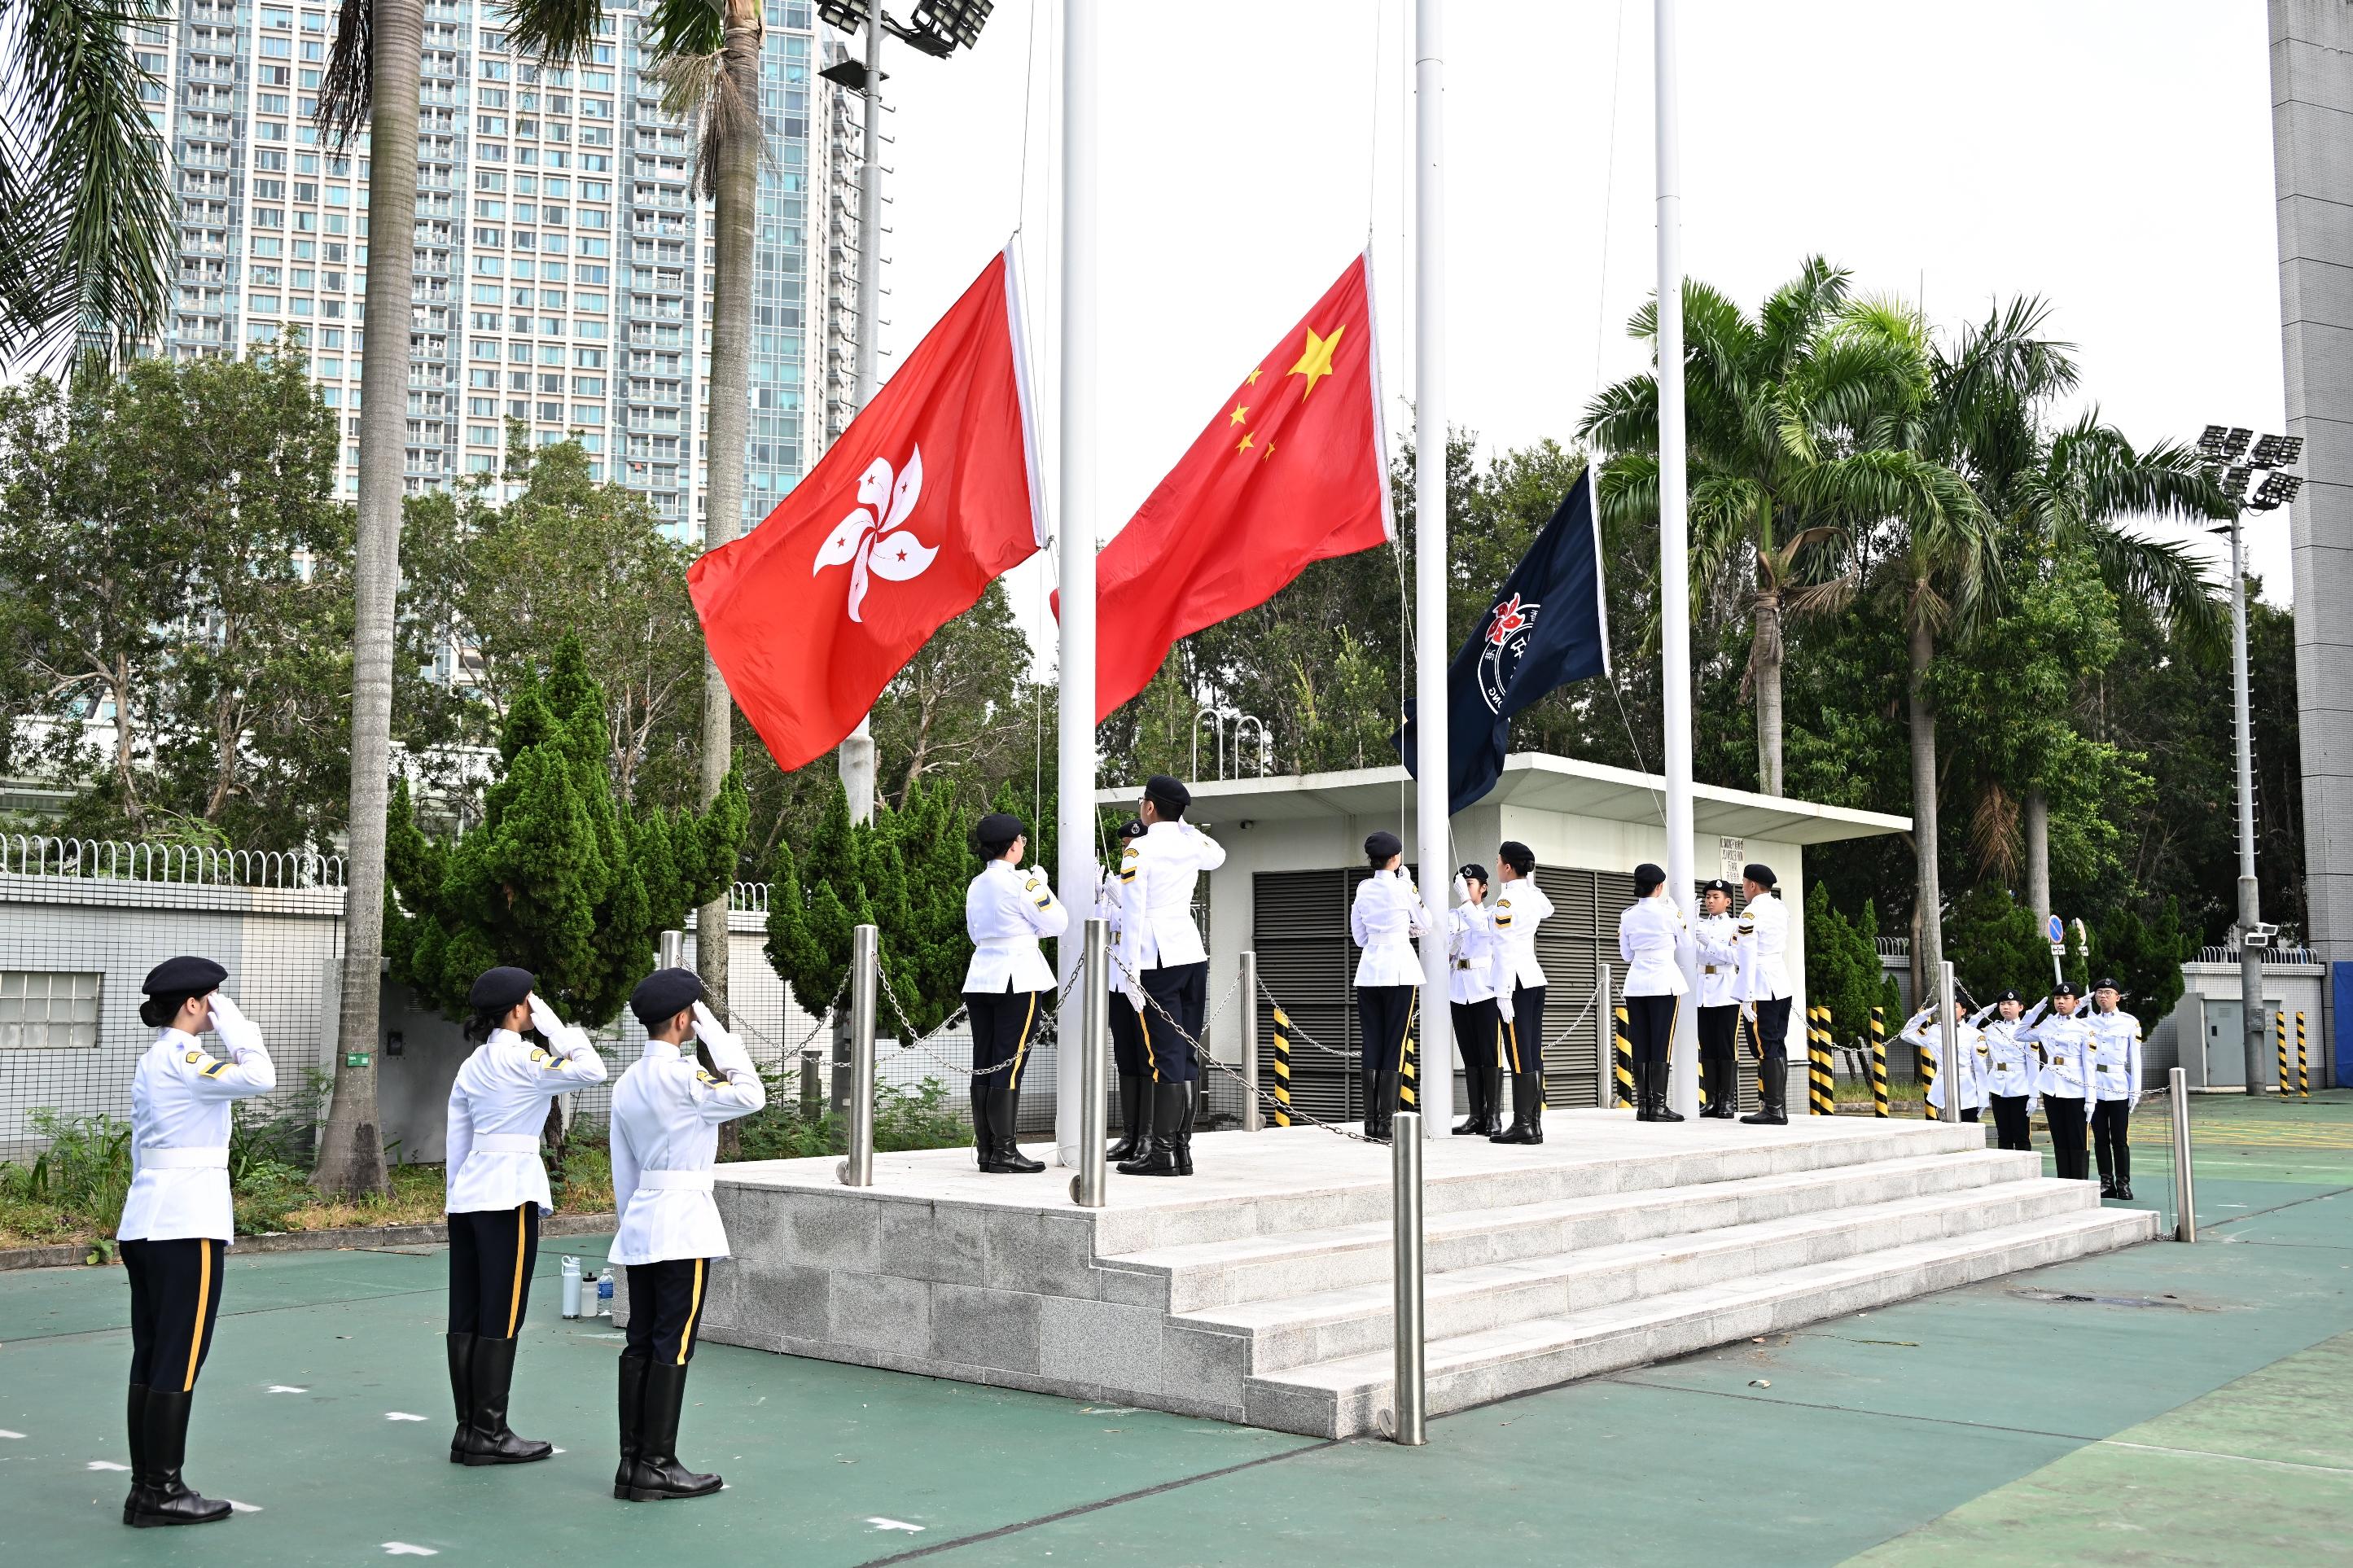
(2276,491)
(846,69)
(2236,442)
(936,28)
(2233,482)
(2209,442)
(2276,452)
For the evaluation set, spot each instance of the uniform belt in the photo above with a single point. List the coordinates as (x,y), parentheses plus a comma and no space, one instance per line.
(506,1144)
(183,1159)
(1462,964)
(684,1181)
(1006,944)
(1707,969)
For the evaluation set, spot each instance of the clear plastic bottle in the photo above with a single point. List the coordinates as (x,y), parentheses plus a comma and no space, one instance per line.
(605,1293)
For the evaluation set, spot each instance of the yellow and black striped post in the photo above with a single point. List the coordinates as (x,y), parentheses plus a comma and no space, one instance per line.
(1622,1064)
(1409,1056)
(2303,1073)
(1878,1063)
(1282,1068)
(1927,1081)
(1825,1062)
(2279,1033)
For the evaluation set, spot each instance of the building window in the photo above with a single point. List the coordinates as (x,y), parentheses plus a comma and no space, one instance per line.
(47,1010)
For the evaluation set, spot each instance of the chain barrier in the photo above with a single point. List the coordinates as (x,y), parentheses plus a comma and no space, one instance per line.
(824,1021)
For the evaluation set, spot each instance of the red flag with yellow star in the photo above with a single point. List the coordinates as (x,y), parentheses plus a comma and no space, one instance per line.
(1291,471)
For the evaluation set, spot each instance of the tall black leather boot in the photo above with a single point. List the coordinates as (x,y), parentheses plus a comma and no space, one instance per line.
(1476,1090)
(983,1141)
(489,1439)
(164,1497)
(1159,1158)
(657,1476)
(1131,1120)
(1004,1116)
(1772,1081)
(632,1417)
(1527,1110)
(1662,1079)
(1377,1109)
(1184,1133)
(461,1392)
(135,1420)
(1646,1105)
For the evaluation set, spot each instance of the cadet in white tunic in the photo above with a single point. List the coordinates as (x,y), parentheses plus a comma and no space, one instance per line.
(666,1112)
(1764,991)
(1650,933)
(1006,985)
(1387,915)
(1717,952)
(177,1221)
(2065,1082)
(1969,1046)
(1520,908)
(1162,947)
(2009,1068)
(1471,992)
(2116,1084)
(1126,1030)
(497,1191)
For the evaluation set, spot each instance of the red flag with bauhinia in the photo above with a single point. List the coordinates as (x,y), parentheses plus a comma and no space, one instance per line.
(929,496)
(1291,471)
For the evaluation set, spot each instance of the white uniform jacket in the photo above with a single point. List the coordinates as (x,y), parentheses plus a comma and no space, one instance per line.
(2115,1054)
(1519,909)
(1470,953)
(2009,1061)
(1159,870)
(1718,956)
(665,1135)
(2067,1045)
(497,1107)
(1764,942)
(1969,1046)
(1650,933)
(1111,908)
(180,1099)
(1006,910)
(1387,915)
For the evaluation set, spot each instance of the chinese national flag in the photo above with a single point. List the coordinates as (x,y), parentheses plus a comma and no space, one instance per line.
(1290,471)
(929,496)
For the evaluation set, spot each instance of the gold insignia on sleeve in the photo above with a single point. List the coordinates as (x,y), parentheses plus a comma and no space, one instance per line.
(703,1077)
(195,1057)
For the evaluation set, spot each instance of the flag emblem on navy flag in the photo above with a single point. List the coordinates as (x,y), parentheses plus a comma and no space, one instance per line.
(1546,629)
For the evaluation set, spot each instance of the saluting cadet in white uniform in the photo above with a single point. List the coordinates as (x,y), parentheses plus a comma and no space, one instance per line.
(1969,1046)
(1519,909)
(1718,956)
(1126,1031)
(1006,985)
(1764,991)
(177,1220)
(497,1191)
(1471,992)
(1163,947)
(2065,1081)
(1387,915)
(666,1112)
(1650,933)
(2009,1068)
(2116,1084)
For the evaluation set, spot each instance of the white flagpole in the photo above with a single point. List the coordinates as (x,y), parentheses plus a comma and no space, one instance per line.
(1434,1089)
(1674,549)
(1074,773)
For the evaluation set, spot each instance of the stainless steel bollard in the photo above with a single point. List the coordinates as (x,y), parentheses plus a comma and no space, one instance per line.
(673,949)
(1251,1118)
(1408,1421)
(1948,1038)
(858,1170)
(1605,1076)
(2185,1185)
(1091,1044)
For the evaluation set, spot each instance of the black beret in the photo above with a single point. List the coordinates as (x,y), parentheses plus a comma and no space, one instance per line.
(183,977)
(1756,871)
(996,831)
(664,994)
(1718,885)
(1170,795)
(1380,843)
(501,988)
(2010,997)
(2107,983)
(1647,877)
(1132,828)
(1516,855)
(2065,988)
(1473,872)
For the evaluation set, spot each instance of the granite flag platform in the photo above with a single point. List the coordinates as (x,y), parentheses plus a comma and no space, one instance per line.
(1259,1290)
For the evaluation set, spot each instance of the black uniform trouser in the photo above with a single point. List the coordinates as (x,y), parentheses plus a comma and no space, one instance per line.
(1182,992)
(666,1308)
(2112,1137)
(1384,1019)
(1650,1026)
(2009,1122)
(492,1254)
(1719,1063)
(1127,1039)
(176,1291)
(1523,1049)
(2066,1116)
(1003,1026)
(1770,1032)
(1478,1034)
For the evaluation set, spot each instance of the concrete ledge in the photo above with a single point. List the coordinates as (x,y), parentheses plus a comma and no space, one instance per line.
(348,1239)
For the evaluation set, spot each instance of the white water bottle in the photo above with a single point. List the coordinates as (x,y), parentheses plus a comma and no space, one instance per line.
(570,1274)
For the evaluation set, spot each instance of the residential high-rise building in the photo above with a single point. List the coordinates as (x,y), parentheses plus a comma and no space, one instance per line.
(562,268)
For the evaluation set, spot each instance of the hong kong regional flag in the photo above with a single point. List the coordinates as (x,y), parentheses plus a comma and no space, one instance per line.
(1290,471)
(931,494)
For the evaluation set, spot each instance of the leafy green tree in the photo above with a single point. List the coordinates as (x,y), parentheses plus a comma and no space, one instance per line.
(1996,945)
(2144,949)
(817,896)
(1842,970)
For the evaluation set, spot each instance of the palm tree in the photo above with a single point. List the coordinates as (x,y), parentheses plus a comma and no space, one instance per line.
(709,64)
(1770,402)
(89,209)
(372,79)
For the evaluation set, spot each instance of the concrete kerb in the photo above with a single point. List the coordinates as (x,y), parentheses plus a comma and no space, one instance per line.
(76,1254)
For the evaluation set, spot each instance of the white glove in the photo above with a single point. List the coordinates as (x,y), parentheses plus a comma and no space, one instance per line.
(543,1018)
(727,1052)
(238,1032)
(1503,1006)
(1461,892)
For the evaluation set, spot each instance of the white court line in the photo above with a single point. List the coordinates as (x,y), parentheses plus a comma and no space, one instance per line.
(285,1388)
(6,1432)
(404,1416)
(107,1465)
(878,1523)
(402,1548)
(237,1507)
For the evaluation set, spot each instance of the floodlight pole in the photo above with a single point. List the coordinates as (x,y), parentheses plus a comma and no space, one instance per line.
(857,763)
(2250,951)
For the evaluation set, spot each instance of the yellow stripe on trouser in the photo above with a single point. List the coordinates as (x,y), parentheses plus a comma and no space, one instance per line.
(514,1300)
(1143,1022)
(1021,1046)
(1511,1041)
(204,1299)
(694,1308)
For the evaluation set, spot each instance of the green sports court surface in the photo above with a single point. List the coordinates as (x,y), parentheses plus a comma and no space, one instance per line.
(2165,1404)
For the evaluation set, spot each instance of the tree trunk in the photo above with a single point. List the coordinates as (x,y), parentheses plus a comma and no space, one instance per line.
(2037,856)
(351,1149)
(1928,946)
(730,420)
(1765,660)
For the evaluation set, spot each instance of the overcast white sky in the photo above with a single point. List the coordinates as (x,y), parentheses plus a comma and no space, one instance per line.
(2112,155)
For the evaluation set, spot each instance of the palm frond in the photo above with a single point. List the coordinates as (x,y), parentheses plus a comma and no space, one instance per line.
(557,31)
(347,96)
(1798,311)
(701,86)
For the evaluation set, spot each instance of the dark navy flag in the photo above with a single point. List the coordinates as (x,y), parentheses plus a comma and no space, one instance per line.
(1545,629)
